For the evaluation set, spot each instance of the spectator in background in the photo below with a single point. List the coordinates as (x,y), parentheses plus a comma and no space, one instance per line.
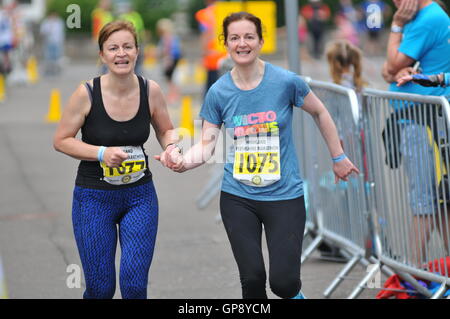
(316,14)
(101,15)
(211,53)
(374,13)
(348,10)
(441,79)
(6,41)
(53,32)
(346,29)
(420,32)
(127,13)
(170,53)
(345,62)
(303,37)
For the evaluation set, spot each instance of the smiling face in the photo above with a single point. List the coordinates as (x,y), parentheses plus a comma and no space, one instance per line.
(119,52)
(242,42)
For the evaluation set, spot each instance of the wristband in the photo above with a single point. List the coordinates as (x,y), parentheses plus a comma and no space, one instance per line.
(339,158)
(100,153)
(396,29)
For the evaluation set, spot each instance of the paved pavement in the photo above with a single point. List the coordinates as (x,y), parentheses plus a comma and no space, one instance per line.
(192,256)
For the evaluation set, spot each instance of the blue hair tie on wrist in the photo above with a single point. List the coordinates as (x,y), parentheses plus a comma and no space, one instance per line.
(339,158)
(100,153)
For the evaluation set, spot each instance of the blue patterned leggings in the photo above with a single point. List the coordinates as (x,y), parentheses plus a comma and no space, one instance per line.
(95,216)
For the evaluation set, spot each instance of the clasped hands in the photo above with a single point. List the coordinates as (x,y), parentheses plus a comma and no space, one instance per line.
(172,159)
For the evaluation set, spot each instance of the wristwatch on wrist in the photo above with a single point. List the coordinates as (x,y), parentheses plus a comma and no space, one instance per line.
(396,29)
(180,148)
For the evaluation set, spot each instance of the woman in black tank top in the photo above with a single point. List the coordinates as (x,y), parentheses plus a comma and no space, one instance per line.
(114,184)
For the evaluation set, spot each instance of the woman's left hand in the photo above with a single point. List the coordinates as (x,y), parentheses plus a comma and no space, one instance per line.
(343,169)
(171,158)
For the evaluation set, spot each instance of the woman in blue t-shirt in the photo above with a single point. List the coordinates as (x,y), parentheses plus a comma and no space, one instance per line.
(262,183)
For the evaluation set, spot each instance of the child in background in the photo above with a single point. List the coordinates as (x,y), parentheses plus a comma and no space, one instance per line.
(345,62)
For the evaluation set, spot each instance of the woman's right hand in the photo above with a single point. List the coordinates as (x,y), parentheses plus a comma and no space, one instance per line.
(114,156)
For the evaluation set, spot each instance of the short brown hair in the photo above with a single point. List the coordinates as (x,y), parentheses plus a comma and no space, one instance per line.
(115,26)
(237,16)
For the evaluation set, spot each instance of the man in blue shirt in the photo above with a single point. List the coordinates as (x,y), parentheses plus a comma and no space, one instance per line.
(420,32)
(422,37)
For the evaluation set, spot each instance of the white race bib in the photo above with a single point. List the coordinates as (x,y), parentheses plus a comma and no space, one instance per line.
(131,170)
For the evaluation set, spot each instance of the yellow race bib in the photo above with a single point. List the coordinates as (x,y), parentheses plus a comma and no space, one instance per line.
(257,160)
(131,170)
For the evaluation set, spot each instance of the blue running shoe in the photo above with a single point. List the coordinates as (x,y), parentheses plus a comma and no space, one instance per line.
(300,296)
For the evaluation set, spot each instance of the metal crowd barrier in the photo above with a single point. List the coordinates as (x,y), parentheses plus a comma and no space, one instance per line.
(404,126)
(337,213)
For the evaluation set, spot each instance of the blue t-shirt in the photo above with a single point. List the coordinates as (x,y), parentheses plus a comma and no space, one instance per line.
(427,39)
(244,112)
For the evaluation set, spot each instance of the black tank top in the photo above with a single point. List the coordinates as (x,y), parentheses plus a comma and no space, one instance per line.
(101,130)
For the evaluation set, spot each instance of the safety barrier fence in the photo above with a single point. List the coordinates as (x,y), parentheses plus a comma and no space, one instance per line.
(337,213)
(408,162)
(370,218)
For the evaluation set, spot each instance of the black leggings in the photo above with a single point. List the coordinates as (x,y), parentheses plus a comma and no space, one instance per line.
(284,223)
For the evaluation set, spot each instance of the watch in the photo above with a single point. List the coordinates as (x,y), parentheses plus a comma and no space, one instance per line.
(180,148)
(396,29)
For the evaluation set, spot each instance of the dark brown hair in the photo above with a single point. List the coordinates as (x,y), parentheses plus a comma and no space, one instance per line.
(237,16)
(115,26)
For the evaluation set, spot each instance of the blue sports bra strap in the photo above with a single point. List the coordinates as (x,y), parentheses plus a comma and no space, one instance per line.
(90,90)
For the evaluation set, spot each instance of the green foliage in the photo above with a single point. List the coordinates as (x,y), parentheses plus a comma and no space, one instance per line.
(153,10)
(150,10)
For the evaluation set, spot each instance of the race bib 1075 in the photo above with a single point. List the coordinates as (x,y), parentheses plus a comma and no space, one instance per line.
(257,160)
